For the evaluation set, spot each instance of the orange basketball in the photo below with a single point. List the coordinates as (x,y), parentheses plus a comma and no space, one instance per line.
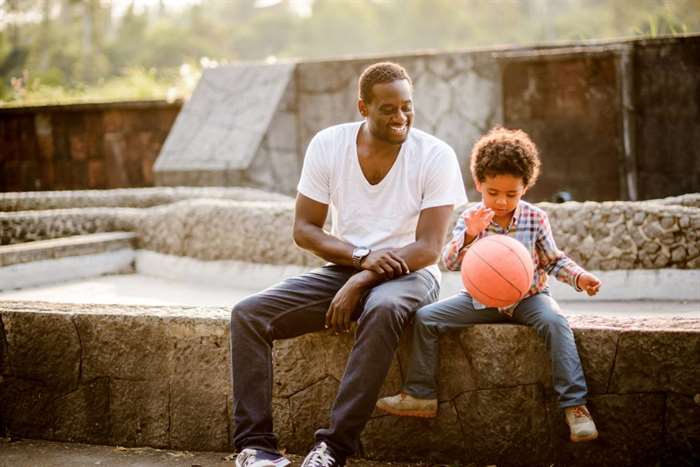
(497,270)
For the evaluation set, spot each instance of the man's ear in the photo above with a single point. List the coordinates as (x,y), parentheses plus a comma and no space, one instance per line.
(362,107)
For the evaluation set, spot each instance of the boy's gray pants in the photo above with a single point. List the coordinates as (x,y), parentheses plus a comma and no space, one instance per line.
(298,306)
(540,311)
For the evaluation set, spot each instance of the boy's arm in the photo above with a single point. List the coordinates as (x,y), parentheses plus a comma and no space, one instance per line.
(455,249)
(553,260)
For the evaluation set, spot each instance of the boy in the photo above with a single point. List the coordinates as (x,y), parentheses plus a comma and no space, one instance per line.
(504,164)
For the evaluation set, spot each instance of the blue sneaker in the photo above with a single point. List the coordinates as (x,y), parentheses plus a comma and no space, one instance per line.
(321,456)
(258,458)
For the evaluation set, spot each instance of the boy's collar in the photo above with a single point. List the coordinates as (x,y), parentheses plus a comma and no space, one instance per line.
(514,219)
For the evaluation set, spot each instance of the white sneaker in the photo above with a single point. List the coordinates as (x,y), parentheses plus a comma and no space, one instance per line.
(580,423)
(320,456)
(258,458)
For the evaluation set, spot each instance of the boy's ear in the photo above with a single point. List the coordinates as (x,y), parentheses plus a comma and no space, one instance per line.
(477,184)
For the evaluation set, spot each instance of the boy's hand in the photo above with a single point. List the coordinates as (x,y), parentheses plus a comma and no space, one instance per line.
(589,283)
(477,220)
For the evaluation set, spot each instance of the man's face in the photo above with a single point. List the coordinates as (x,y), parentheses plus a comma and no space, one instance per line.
(390,113)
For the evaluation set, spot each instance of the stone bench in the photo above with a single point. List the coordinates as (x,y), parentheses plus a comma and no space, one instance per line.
(159,376)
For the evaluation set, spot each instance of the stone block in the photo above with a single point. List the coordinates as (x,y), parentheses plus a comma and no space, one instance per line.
(506,355)
(83,415)
(664,360)
(24,408)
(139,412)
(682,429)
(199,384)
(394,438)
(310,410)
(630,427)
(504,426)
(52,336)
(597,348)
(125,346)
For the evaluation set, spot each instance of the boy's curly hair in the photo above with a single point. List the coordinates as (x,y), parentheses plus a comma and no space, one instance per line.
(503,151)
(379,73)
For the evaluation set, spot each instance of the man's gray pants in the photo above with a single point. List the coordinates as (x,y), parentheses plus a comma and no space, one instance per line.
(298,306)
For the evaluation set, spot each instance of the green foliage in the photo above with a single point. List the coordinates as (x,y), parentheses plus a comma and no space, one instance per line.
(79,49)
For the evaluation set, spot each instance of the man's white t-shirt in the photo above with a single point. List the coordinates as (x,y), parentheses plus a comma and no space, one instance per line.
(425,174)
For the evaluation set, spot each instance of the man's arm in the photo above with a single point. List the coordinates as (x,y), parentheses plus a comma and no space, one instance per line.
(430,235)
(309,216)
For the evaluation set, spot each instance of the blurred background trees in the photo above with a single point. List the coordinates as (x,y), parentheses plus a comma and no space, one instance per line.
(67,50)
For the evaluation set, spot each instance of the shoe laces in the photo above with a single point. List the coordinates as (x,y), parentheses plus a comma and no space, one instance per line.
(320,456)
(248,456)
(580,412)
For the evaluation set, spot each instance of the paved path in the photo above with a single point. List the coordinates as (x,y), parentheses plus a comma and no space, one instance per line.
(34,453)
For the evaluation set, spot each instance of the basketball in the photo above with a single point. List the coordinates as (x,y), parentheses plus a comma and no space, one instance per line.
(497,270)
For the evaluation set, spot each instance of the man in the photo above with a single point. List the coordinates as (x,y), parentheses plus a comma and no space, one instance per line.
(391,190)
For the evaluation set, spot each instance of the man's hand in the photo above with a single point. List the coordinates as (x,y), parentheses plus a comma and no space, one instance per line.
(339,314)
(477,220)
(385,262)
(589,283)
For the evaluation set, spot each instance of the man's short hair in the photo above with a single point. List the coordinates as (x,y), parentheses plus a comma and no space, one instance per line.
(379,73)
(505,152)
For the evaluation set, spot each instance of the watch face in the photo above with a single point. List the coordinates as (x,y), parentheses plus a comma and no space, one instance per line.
(362,251)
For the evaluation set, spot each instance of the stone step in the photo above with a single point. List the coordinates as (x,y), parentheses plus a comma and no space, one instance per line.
(77,245)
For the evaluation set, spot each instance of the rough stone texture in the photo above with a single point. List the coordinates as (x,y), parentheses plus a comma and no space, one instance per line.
(69,147)
(498,423)
(27,226)
(599,236)
(631,428)
(159,376)
(667,76)
(568,103)
(60,349)
(682,429)
(217,230)
(127,198)
(645,362)
(220,128)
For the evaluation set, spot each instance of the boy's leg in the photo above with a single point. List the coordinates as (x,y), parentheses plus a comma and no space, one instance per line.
(385,312)
(432,320)
(295,306)
(542,312)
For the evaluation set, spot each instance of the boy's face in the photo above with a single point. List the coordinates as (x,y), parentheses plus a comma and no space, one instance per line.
(501,193)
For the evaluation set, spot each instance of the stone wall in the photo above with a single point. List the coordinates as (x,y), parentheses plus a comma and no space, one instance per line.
(159,376)
(667,116)
(592,109)
(82,146)
(609,235)
(127,198)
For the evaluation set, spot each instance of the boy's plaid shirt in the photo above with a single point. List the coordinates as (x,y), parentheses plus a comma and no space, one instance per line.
(530,226)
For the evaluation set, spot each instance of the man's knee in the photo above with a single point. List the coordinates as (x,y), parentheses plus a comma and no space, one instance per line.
(245,310)
(383,310)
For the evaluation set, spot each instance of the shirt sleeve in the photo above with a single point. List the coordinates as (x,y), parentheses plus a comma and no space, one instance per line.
(455,249)
(444,185)
(314,182)
(552,259)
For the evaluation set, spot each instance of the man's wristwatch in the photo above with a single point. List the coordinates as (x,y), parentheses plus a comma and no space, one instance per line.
(358,254)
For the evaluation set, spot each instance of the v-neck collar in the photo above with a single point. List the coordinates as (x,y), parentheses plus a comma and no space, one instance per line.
(358,167)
